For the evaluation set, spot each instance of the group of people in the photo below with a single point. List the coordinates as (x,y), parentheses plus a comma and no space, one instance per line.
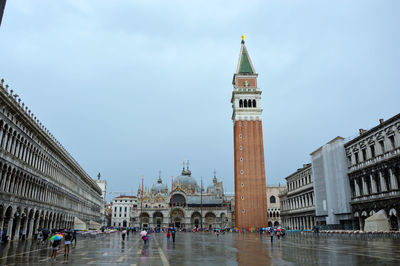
(55,238)
(279,232)
(145,234)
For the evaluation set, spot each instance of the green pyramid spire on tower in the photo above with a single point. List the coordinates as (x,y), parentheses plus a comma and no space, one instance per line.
(245,65)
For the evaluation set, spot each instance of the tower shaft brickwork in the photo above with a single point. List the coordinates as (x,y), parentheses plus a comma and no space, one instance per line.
(250,185)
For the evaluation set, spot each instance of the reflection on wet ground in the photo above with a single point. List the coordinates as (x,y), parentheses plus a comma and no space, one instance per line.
(207,249)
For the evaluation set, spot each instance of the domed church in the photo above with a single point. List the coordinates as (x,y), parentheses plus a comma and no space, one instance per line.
(191,206)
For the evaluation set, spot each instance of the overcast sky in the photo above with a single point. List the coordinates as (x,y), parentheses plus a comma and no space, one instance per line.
(134,87)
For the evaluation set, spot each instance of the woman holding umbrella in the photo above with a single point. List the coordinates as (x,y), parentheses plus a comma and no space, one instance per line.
(55,245)
(143,234)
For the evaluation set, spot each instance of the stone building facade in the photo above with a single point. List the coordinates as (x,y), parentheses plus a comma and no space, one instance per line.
(41,185)
(274,205)
(122,207)
(297,200)
(250,185)
(191,207)
(373,160)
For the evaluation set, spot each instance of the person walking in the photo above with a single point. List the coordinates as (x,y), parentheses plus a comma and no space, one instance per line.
(67,243)
(74,236)
(54,247)
(168,237)
(123,234)
(271,233)
(143,234)
(173,232)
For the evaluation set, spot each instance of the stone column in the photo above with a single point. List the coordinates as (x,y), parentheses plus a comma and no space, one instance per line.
(1,224)
(373,184)
(10,226)
(364,184)
(393,179)
(24,228)
(30,231)
(17,228)
(383,182)
(357,186)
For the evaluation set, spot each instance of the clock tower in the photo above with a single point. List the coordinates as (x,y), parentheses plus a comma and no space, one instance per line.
(250,187)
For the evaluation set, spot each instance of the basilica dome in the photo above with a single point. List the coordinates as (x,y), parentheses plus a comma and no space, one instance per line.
(159,187)
(186,181)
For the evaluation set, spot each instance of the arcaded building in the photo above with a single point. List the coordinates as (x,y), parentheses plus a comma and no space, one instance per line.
(373,160)
(250,185)
(297,200)
(41,184)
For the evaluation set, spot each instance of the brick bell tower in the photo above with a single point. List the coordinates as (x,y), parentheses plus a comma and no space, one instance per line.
(250,189)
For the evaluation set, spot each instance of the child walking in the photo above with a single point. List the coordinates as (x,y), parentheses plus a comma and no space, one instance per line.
(168,237)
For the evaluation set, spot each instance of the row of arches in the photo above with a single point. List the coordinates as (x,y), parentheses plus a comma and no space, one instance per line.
(360,216)
(178,218)
(247,103)
(18,222)
(25,186)
(273,214)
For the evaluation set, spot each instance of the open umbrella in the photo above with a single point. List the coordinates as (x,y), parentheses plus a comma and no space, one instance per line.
(56,237)
(143,233)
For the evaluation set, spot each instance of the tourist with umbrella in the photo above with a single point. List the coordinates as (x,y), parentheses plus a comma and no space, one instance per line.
(55,245)
(143,234)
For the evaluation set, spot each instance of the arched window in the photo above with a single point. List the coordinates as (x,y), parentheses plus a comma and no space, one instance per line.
(254,104)
(272,199)
(249,103)
(240,103)
(245,103)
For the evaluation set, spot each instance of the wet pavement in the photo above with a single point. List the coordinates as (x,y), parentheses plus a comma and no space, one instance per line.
(206,249)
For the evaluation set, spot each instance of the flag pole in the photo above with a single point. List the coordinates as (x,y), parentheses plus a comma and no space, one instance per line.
(141,205)
(201,202)
(172,190)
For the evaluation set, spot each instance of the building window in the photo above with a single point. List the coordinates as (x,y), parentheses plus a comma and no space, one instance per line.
(119,215)
(115,209)
(391,138)
(382,146)
(241,159)
(240,136)
(240,105)
(242,184)
(120,209)
(272,199)
(242,197)
(240,148)
(125,209)
(356,156)
(125,214)
(372,148)
(115,215)
(241,172)
(243,210)
(364,154)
